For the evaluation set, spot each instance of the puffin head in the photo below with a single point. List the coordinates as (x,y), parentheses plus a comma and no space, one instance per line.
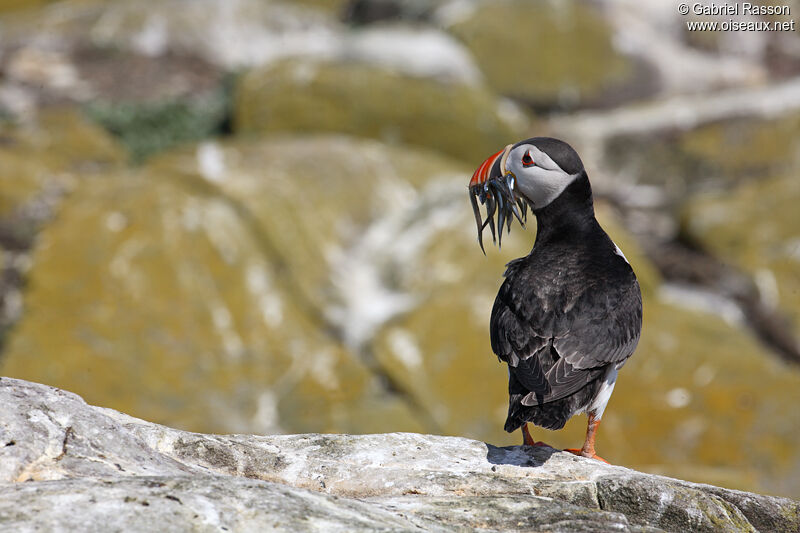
(533,172)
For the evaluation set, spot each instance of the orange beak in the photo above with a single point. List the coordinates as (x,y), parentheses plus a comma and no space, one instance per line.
(494,162)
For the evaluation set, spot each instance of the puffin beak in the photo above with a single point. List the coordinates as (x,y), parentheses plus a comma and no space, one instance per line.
(494,164)
(493,185)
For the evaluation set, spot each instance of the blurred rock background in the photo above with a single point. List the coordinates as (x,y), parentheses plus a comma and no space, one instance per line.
(251,215)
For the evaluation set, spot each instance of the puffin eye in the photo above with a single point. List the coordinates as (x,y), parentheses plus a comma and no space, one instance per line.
(527,160)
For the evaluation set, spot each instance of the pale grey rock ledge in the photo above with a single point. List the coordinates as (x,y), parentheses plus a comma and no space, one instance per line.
(69,466)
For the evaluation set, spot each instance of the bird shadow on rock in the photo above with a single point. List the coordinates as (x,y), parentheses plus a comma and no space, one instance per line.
(527,456)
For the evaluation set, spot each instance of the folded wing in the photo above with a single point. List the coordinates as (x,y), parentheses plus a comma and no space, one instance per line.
(555,349)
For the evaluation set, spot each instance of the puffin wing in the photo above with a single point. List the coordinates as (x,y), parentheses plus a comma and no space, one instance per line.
(564,380)
(583,336)
(605,327)
(604,330)
(517,343)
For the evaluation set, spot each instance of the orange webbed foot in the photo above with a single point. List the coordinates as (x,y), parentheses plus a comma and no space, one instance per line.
(576,451)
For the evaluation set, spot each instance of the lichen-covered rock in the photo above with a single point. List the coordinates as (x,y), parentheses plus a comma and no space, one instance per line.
(757,228)
(85,49)
(702,400)
(553,55)
(10,6)
(40,162)
(301,97)
(231,34)
(249,274)
(716,155)
(331,204)
(333,7)
(90,468)
(51,153)
(236,355)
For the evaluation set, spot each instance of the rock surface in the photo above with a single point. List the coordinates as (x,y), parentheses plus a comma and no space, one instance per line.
(41,162)
(51,154)
(303,96)
(68,465)
(756,226)
(580,66)
(716,155)
(247,306)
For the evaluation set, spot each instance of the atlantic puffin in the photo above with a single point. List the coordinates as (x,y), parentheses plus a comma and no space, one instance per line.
(569,314)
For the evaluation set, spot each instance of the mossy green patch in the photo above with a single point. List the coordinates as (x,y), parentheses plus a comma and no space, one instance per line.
(791,514)
(545,53)
(308,97)
(146,128)
(731,520)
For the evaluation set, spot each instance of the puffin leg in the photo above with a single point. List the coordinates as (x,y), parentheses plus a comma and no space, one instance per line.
(527,440)
(588,444)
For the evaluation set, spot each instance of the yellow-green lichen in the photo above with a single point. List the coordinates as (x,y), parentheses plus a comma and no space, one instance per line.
(11,6)
(544,52)
(722,153)
(58,147)
(176,299)
(335,7)
(756,227)
(308,97)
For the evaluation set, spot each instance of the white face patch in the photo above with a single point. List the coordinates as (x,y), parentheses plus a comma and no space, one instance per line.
(542,182)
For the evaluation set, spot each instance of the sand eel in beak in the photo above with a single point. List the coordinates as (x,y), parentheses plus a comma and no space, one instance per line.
(493,185)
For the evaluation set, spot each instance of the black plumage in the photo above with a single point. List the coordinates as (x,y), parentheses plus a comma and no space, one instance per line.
(568,314)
